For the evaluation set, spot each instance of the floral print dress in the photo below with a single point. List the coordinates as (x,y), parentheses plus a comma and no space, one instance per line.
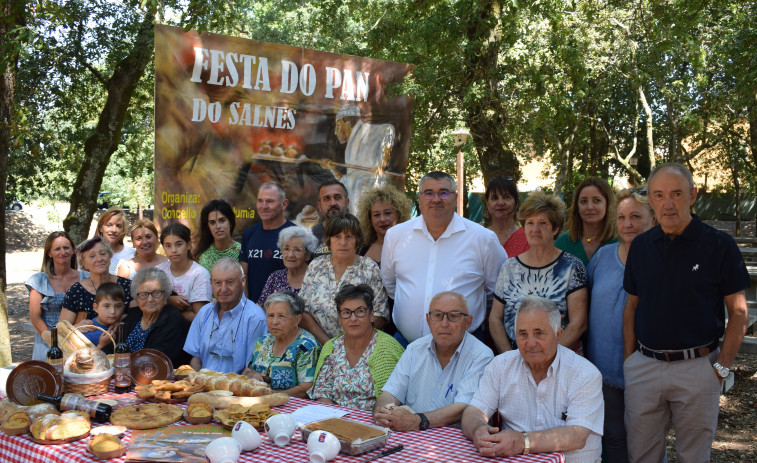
(343,384)
(295,366)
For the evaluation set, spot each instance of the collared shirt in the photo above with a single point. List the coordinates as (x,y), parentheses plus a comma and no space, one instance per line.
(681,284)
(570,395)
(419,381)
(226,346)
(414,268)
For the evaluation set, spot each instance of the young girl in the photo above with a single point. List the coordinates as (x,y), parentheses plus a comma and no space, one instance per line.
(189,280)
(111,227)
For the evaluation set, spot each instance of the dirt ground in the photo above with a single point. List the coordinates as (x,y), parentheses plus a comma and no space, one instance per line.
(735,441)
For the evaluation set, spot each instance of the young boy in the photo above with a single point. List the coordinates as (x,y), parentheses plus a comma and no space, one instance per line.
(109,305)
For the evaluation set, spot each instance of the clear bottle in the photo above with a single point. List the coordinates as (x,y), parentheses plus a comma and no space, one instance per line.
(122,363)
(98,411)
(55,354)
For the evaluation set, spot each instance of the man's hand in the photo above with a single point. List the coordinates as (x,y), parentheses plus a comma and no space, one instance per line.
(480,434)
(398,419)
(499,444)
(179,302)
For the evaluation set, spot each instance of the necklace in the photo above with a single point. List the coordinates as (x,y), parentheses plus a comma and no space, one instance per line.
(588,240)
(102,280)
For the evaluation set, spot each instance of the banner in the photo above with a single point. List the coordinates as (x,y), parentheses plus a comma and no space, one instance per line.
(232,113)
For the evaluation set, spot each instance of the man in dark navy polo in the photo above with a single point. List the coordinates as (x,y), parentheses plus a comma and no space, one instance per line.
(677,277)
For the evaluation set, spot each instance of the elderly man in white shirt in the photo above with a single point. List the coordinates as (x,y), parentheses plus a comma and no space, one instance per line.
(438,251)
(549,398)
(438,374)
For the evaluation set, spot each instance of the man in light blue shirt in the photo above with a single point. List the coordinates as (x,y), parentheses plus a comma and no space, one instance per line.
(224,333)
(438,374)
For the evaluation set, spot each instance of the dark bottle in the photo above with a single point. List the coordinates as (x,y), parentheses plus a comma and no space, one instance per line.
(122,363)
(54,354)
(98,411)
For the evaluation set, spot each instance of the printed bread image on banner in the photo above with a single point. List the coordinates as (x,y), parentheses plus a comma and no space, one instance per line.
(233,113)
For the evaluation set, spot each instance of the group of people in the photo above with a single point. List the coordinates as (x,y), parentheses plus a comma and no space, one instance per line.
(604,339)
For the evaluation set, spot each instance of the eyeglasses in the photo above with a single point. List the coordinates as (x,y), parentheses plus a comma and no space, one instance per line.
(453,317)
(430,195)
(360,312)
(154,294)
(295,249)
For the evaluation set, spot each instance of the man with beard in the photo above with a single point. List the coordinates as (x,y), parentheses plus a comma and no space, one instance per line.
(332,199)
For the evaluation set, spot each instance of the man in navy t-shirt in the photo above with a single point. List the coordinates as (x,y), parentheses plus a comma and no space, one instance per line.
(260,255)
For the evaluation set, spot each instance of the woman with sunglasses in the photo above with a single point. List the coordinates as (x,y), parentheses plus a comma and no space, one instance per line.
(156,325)
(591,222)
(354,366)
(608,299)
(502,202)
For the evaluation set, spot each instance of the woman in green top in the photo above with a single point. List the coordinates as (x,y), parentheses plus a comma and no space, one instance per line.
(217,222)
(588,226)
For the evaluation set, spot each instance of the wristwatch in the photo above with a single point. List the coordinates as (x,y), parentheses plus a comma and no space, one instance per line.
(526,444)
(424,422)
(723,372)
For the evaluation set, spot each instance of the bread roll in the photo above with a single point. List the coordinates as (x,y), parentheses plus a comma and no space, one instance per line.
(67,425)
(222,402)
(87,360)
(236,386)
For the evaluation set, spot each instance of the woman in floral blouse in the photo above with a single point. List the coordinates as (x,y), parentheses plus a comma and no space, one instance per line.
(327,274)
(286,356)
(354,366)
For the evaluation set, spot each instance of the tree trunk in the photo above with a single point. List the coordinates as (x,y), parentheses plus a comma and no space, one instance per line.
(107,135)
(737,187)
(649,126)
(13,16)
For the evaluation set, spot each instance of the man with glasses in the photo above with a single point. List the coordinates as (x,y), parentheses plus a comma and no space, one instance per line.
(260,254)
(438,374)
(223,333)
(438,251)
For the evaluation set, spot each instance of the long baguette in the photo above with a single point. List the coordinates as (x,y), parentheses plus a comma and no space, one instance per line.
(220,402)
(68,344)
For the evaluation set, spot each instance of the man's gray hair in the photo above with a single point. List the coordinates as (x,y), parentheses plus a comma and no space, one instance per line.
(534,303)
(227,263)
(272,184)
(295,302)
(680,168)
(452,294)
(307,237)
(438,175)
(151,274)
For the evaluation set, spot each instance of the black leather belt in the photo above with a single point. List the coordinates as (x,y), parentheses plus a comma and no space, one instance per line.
(676,355)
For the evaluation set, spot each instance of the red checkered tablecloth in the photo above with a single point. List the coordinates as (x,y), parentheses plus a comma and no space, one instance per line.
(434,445)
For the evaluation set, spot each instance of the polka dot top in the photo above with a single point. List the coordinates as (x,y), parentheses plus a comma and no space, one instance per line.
(78,299)
(138,336)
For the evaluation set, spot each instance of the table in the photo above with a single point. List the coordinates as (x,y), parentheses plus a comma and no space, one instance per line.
(434,445)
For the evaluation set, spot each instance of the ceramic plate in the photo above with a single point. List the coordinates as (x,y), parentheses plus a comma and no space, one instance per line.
(31,378)
(150,364)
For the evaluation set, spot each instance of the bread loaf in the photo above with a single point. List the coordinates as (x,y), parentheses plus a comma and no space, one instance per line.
(68,344)
(221,402)
(60,427)
(237,384)
(87,360)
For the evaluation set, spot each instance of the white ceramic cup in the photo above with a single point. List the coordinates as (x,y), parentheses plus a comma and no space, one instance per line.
(323,446)
(223,450)
(247,435)
(280,428)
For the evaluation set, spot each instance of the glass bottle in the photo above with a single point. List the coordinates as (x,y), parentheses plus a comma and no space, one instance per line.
(122,363)
(98,411)
(55,354)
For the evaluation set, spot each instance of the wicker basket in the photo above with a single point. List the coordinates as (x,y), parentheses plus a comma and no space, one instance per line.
(95,388)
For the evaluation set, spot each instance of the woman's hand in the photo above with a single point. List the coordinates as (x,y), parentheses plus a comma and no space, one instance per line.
(84,326)
(252,374)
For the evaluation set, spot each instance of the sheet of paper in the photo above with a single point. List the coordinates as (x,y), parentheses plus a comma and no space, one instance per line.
(312,413)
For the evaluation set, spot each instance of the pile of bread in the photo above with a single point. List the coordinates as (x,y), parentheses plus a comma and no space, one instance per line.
(238,385)
(69,339)
(43,421)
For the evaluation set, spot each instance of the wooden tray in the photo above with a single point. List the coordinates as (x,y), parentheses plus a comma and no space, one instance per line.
(58,441)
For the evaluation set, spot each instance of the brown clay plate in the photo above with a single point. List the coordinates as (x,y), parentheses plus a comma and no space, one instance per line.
(150,364)
(58,441)
(31,378)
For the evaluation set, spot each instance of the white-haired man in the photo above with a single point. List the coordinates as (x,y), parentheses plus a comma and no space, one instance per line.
(549,398)
(223,333)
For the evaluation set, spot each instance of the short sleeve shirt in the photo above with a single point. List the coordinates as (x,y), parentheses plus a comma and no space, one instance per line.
(296,365)
(194,284)
(555,281)
(681,285)
(261,253)
(209,256)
